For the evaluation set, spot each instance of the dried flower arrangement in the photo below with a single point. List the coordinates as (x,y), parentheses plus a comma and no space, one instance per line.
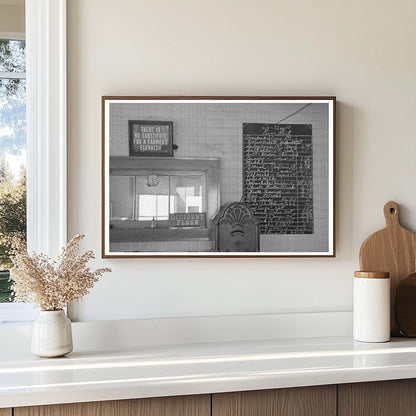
(53,285)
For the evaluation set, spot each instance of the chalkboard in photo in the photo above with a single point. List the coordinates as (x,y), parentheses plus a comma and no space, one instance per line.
(150,138)
(277,176)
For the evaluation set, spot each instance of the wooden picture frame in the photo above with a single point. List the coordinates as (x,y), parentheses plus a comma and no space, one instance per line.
(231,177)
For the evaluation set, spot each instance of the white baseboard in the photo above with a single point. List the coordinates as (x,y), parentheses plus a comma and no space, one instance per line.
(127,334)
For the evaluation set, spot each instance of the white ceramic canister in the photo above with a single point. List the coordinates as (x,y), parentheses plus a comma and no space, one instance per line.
(371,310)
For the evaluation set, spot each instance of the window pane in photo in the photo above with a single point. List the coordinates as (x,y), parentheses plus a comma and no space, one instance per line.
(121,197)
(187,191)
(152,198)
(162,207)
(146,207)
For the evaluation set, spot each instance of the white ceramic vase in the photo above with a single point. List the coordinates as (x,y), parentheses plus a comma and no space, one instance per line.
(52,334)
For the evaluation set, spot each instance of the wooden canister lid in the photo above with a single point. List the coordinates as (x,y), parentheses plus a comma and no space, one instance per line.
(372,275)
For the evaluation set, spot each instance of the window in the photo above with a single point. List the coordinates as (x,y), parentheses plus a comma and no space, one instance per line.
(162,201)
(12,155)
(149,198)
(46,134)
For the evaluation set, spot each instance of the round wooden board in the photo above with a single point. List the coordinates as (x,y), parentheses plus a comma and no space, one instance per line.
(405,306)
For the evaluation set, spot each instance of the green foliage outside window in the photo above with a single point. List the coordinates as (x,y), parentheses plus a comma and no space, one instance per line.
(12,224)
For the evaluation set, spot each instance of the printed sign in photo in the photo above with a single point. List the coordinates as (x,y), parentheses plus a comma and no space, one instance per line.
(188,220)
(151,138)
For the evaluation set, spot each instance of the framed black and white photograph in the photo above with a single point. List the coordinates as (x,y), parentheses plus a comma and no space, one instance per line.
(218,176)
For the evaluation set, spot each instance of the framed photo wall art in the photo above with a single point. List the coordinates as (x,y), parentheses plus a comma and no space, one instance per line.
(218,176)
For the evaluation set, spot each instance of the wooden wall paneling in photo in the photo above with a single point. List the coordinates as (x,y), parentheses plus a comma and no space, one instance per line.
(300,401)
(6,412)
(381,398)
(393,250)
(160,406)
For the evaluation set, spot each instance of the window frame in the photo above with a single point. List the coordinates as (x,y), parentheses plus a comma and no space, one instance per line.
(162,174)
(130,231)
(46,125)
(46,122)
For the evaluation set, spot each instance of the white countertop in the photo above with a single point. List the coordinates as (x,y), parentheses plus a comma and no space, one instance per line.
(150,371)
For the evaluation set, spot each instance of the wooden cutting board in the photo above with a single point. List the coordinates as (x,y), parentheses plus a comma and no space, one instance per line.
(393,250)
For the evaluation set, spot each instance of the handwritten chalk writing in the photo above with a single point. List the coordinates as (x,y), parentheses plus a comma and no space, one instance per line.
(277,178)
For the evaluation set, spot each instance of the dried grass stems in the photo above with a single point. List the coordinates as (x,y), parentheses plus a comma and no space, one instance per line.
(53,285)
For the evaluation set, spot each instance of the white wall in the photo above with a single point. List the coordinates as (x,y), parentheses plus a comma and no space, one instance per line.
(12,18)
(361,51)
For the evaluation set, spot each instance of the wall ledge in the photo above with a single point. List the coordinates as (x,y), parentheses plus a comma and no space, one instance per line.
(124,334)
